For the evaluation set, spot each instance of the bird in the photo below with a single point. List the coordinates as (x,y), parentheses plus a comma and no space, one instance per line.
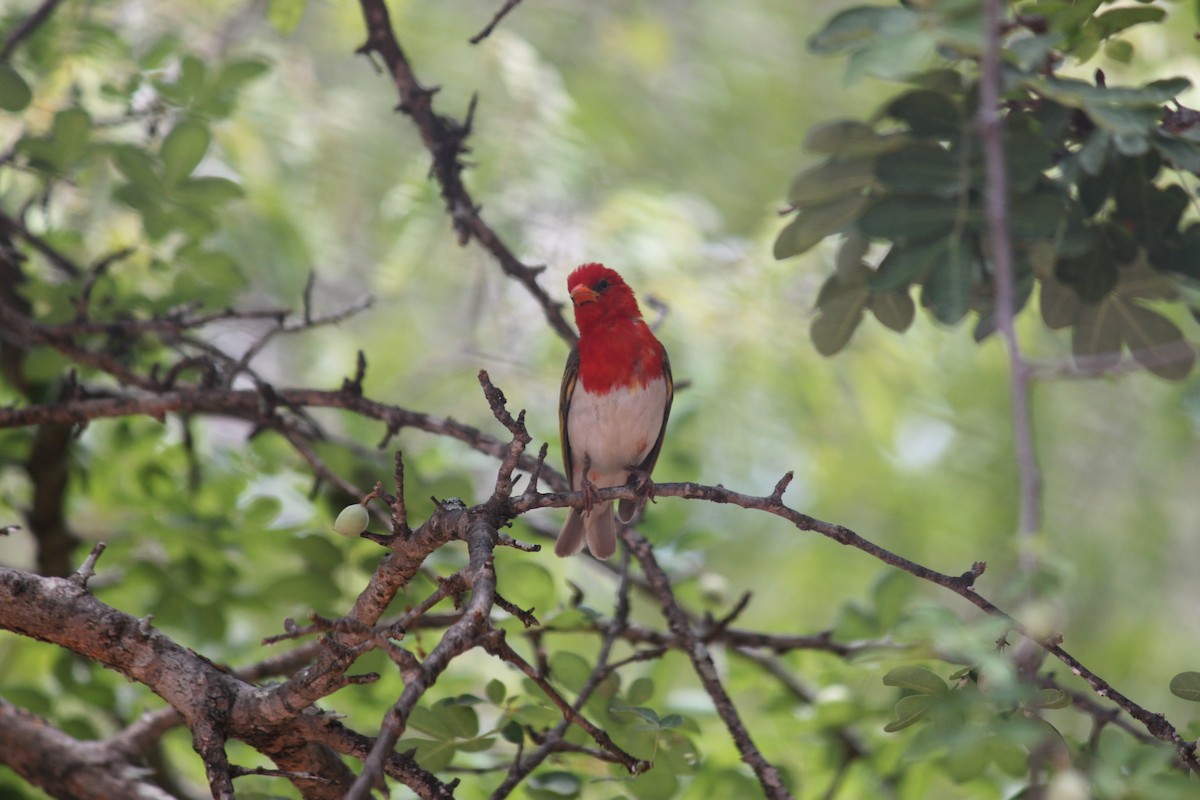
(613,407)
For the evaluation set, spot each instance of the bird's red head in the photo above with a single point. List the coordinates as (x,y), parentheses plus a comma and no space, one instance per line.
(600,295)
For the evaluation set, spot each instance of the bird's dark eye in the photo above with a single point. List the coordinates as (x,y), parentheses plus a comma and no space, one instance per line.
(601,285)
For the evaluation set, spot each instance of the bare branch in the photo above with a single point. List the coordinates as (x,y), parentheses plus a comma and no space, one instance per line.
(508,6)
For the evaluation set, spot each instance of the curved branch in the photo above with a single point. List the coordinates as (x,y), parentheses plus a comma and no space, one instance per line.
(445,139)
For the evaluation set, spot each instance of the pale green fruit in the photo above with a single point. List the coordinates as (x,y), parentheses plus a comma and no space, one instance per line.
(352,521)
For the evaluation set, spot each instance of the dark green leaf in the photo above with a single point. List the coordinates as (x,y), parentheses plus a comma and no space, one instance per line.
(947,289)
(928,113)
(495,691)
(648,715)
(1118,19)
(1183,153)
(921,169)
(1094,152)
(917,679)
(513,732)
(1036,216)
(840,309)
(1096,338)
(1126,120)
(14,91)
(1059,304)
(1187,686)
(814,223)
(909,217)
(1092,275)
(1155,341)
(857,27)
(907,264)
(894,309)
(830,180)
(848,137)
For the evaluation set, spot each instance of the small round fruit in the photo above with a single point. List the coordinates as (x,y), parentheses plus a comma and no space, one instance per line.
(352,521)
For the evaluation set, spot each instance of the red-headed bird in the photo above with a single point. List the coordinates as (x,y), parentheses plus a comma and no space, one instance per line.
(613,407)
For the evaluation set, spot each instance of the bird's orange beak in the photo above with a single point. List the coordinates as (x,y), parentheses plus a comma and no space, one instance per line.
(583,294)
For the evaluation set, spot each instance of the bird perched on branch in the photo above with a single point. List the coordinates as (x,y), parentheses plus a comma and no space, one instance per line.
(613,407)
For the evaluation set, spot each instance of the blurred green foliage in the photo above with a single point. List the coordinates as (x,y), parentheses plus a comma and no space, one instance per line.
(237,152)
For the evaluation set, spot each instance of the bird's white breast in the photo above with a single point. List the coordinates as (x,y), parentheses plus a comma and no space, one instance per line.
(616,430)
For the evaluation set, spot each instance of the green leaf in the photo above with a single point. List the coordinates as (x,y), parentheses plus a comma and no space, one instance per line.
(648,715)
(513,732)
(840,309)
(1036,216)
(208,190)
(813,223)
(15,93)
(1187,686)
(1049,698)
(849,137)
(641,690)
(554,784)
(1008,755)
(495,691)
(1156,342)
(967,761)
(909,263)
(894,309)
(1096,336)
(1118,19)
(909,217)
(434,756)
(285,15)
(183,149)
(921,169)
(1059,304)
(857,27)
(909,710)
(928,113)
(570,669)
(946,291)
(1181,153)
(917,679)
(830,180)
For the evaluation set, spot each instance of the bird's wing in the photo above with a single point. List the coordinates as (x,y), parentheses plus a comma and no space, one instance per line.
(570,376)
(648,462)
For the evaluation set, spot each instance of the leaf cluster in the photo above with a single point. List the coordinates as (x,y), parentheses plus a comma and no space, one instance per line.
(1098,180)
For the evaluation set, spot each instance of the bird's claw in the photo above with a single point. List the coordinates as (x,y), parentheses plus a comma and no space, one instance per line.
(591,493)
(643,484)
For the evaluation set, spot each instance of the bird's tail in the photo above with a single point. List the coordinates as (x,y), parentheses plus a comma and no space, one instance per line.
(596,525)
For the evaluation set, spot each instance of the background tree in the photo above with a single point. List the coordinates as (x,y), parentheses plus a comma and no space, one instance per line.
(238,294)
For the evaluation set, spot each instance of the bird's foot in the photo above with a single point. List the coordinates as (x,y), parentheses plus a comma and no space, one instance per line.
(642,483)
(591,493)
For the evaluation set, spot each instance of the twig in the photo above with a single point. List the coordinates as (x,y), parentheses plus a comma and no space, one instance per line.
(508,6)
(26,28)
(444,138)
(768,776)
(85,572)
